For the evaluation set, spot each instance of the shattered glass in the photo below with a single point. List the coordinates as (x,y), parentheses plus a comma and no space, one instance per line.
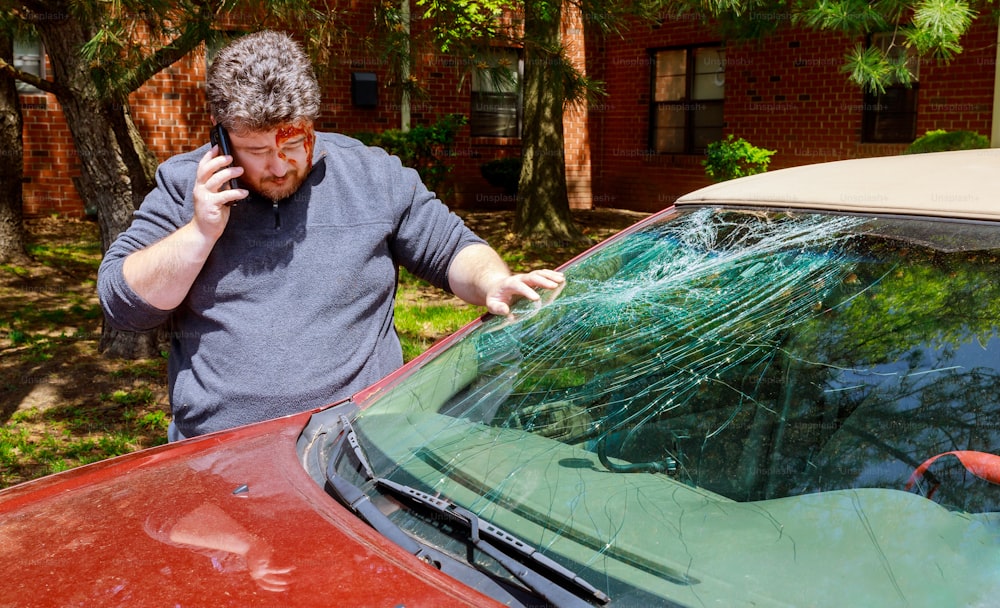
(720,386)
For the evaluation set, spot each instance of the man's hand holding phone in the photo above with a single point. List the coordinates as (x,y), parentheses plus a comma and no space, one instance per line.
(162,274)
(216,187)
(220,138)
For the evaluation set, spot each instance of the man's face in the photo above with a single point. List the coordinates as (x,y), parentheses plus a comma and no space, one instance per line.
(276,162)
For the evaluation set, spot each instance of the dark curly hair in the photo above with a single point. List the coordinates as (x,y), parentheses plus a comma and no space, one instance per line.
(260,81)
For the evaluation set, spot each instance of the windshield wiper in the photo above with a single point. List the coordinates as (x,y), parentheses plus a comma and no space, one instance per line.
(352,497)
(482,534)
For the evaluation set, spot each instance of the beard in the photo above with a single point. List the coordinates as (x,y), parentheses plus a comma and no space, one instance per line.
(276,189)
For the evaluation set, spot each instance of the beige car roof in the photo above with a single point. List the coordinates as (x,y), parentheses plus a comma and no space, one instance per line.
(963,184)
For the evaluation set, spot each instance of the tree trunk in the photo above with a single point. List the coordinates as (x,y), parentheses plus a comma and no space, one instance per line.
(114,173)
(11,162)
(137,156)
(542,212)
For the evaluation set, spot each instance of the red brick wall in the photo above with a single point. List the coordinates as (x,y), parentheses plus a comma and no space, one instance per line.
(625,172)
(785,93)
(170,112)
(49,159)
(578,149)
(959,95)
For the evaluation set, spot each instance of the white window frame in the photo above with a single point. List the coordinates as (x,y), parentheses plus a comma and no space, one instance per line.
(29,57)
(496,104)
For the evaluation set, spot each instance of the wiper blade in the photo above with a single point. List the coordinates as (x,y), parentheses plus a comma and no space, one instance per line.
(352,497)
(356,500)
(483,535)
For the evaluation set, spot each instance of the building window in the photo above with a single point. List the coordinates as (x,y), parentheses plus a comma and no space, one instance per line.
(29,57)
(891,116)
(689,87)
(496,94)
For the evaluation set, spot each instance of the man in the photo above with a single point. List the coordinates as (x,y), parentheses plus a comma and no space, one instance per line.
(280,291)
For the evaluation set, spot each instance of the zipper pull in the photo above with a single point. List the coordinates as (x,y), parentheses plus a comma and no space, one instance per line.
(277,216)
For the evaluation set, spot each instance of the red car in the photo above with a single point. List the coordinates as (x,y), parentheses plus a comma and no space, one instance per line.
(782,391)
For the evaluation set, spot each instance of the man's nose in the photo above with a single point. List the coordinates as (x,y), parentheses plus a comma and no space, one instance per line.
(278,165)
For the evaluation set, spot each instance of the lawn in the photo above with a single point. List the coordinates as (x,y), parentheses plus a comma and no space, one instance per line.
(63,405)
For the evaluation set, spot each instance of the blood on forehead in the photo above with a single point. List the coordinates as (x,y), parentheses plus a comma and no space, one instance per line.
(287,132)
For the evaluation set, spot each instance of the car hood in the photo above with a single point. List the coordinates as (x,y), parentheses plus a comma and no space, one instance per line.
(226,519)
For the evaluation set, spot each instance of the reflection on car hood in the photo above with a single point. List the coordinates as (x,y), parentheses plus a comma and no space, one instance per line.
(225,520)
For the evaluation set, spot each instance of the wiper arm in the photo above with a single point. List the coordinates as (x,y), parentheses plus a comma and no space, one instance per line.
(483,535)
(357,501)
(354,499)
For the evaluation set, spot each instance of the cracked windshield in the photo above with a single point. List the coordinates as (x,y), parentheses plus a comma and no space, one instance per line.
(807,399)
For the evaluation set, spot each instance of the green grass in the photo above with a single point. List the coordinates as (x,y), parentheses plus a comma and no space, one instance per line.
(62,405)
(421,325)
(48,333)
(420,322)
(34,442)
(73,255)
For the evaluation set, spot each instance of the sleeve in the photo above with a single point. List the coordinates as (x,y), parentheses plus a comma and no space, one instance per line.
(428,235)
(163,211)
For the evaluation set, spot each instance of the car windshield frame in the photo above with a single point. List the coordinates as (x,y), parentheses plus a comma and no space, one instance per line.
(768,381)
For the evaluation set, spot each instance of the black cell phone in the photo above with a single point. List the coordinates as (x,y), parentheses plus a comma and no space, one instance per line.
(220,138)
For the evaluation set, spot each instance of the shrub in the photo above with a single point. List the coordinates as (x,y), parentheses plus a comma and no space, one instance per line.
(941,141)
(731,158)
(425,148)
(503,173)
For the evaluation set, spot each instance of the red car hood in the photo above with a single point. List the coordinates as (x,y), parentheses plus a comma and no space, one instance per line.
(226,519)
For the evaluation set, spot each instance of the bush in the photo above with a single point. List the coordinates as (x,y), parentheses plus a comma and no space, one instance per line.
(425,148)
(942,141)
(731,158)
(503,173)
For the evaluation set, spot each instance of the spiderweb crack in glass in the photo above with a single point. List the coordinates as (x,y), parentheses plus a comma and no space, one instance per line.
(724,291)
(724,407)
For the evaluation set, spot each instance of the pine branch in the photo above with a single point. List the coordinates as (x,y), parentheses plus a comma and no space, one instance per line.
(48,86)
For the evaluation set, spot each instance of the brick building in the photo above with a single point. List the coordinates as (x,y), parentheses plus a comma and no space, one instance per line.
(785,93)
(671,88)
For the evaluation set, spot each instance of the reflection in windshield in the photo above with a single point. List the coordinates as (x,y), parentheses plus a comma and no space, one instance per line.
(743,357)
